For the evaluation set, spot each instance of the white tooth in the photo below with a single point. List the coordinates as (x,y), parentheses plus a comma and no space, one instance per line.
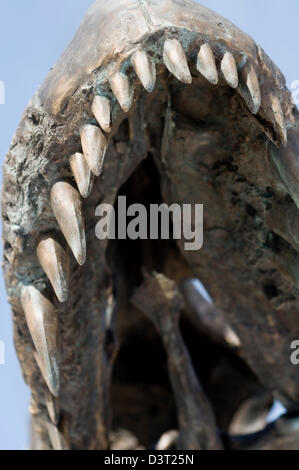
(101,109)
(167,440)
(175,60)
(231,338)
(279,119)
(122,90)
(57,440)
(145,69)
(82,174)
(94,145)
(206,64)
(43,326)
(53,260)
(66,205)
(229,70)
(252,83)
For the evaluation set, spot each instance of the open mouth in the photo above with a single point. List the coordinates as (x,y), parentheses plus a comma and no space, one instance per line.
(161,102)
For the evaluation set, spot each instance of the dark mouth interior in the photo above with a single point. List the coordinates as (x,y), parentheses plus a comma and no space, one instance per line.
(142,397)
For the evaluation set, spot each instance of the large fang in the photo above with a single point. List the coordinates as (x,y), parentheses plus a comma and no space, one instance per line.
(82,173)
(252,83)
(43,326)
(206,64)
(229,70)
(121,88)
(101,109)
(279,120)
(175,60)
(53,260)
(145,69)
(66,205)
(94,145)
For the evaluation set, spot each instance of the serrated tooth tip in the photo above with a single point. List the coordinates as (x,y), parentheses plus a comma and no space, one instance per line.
(66,205)
(206,64)
(174,58)
(229,70)
(53,260)
(82,174)
(121,88)
(101,109)
(43,326)
(94,146)
(145,69)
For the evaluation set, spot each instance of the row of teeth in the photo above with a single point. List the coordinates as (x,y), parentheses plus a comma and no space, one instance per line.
(66,200)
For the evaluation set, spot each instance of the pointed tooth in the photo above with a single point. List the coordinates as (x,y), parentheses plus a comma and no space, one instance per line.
(52,407)
(66,205)
(122,90)
(206,64)
(229,70)
(53,260)
(145,69)
(232,338)
(101,109)
(43,326)
(82,174)
(167,440)
(57,440)
(279,120)
(175,60)
(94,146)
(253,88)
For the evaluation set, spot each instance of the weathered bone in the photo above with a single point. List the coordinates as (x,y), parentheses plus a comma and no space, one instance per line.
(175,60)
(53,260)
(206,64)
(229,70)
(286,161)
(145,69)
(66,205)
(101,108)
(94,145)
(43,326)
(160,300)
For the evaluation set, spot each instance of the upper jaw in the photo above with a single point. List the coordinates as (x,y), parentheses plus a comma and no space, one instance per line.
(101,48)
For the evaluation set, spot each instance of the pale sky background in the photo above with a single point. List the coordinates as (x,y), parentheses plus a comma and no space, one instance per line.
(33,34)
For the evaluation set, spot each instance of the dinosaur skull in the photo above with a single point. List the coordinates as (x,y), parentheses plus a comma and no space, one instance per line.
(160,101)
